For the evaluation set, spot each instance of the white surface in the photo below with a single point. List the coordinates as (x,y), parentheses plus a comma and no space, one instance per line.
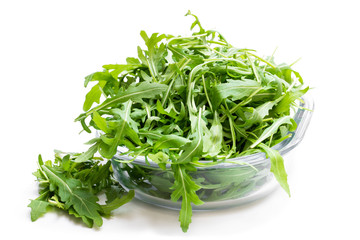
(48,47)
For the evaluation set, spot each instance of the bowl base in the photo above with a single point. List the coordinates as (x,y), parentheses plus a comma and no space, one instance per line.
(264,191)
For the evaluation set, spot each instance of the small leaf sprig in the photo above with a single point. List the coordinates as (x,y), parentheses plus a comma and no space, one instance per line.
(74,187)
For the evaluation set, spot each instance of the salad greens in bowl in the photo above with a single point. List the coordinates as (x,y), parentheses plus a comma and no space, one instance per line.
(222,183)
(192,122)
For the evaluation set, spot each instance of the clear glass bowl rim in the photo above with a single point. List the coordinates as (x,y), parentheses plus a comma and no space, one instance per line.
(302,117)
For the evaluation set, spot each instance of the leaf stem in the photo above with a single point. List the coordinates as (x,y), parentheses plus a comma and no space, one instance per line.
(295,62)
(253,68)
(206,94)
(225,59)
(211,49)
(261,59)
(216,42)
(272,55)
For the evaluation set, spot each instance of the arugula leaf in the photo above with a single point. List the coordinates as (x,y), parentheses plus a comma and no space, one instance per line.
(94,95)
(100,122)
(122,131)
(160,158)
(273,129)
(277,166)
(134,93)
(155,54)
(235,90)
(193,149)
(213,139)
(71,193)
(120,68)
(104,76)
(185,188)
(117,202)
(196,22)
(172,141)
(38,208)
(289,98)
(73,187)
(88,154)
(263,109)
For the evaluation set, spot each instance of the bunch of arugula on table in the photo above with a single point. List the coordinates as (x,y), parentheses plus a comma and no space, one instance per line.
(75,186)
(183,100)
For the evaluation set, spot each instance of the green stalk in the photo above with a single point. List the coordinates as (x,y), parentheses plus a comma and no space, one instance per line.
(253,68)
(206,93)
(261,59)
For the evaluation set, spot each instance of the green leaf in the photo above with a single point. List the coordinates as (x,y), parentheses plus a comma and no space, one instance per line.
(66,162)
(100,122)
(273,128)
(118,202)
(38,208)
(98,175)
(263,109)
(172,113)
(277,166)
(70,192)
(142,56)
(133,61)
(93,95)
(117,69)
(150,134)
(196,22)
(185,188)
(193,149)
(155,53)
(135,93)
(113,192)
(230,176)
(122,131)
(83,124)
(85,204)
(125,113)
(254,118)
(89,222)
(213,139)
(98,76)
(170,141)
(72,187)
(88,154)
(288,99)
(159,157)
(235,90)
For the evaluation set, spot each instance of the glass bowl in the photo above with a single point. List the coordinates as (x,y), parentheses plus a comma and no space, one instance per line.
(223,185)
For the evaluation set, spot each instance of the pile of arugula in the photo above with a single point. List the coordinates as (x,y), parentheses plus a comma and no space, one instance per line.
(182,101)
(74,187)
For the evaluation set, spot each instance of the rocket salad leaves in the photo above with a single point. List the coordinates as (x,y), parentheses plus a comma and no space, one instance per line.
(183,100)
(74,187)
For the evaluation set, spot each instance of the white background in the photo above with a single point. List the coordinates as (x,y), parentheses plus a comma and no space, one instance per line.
(48,47)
